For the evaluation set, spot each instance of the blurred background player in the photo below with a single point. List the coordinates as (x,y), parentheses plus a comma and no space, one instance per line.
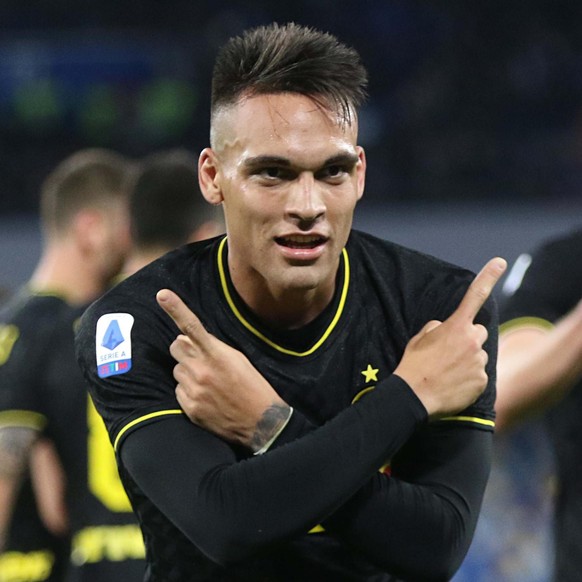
(84,213)
(166,208)
(168,181)
(540,371)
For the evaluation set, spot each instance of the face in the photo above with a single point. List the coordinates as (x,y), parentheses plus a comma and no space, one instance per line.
(289,176)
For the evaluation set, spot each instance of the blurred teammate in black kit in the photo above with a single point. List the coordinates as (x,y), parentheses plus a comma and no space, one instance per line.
(540,371)
(321,356)
(45,413)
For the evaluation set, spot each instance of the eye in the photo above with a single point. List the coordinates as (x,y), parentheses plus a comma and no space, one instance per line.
(274,173)
(271,172)
(335,172)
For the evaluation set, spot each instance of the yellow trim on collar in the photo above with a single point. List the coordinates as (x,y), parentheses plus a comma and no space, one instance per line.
(143,419)
(265,339)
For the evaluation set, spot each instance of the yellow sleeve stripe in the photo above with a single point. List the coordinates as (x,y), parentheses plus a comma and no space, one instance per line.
(474,419)
(523,322)
(143,419)
(22,419)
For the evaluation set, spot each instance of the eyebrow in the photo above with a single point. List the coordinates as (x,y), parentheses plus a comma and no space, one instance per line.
(266,161)
(339,159)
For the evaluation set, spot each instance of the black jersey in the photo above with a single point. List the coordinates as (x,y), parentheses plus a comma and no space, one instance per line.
(288,519)
(550,287)
(41,386)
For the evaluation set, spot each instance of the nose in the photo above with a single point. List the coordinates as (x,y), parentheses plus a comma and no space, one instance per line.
(305,203)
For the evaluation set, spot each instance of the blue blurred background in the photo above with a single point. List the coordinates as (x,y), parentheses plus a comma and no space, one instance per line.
(473,133)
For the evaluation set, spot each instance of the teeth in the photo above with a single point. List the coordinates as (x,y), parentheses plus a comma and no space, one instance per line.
(302,239)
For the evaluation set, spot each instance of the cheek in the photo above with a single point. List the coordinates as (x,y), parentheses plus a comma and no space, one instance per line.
(341,208)
(248,214)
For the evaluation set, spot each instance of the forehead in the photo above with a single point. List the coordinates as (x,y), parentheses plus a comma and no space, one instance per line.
(288,124)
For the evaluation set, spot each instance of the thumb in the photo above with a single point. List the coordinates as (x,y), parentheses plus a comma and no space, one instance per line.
(183,317)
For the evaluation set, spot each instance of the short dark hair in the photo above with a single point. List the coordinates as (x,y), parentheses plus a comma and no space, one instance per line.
(89,178)
(166,205)
(289,58)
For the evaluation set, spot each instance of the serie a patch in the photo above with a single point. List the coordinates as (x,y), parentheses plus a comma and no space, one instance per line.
(113,344)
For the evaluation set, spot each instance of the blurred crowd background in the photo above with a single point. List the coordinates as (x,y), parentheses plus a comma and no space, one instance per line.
(468,99)
(473,133)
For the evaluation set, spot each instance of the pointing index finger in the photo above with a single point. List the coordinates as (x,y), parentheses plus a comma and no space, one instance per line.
(480,288)
(183,317)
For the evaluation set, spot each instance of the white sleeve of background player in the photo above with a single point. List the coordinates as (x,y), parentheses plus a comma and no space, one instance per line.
(516,274)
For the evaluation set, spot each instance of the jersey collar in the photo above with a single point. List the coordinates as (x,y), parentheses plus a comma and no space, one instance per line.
(252,329)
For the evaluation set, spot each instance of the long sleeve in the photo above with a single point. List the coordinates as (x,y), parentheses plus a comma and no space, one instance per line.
(418,520)
(230,507)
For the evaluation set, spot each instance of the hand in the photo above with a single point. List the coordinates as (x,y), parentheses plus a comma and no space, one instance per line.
(218,388)
(445,362)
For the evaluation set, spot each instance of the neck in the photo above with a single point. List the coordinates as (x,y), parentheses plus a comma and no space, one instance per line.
(285,309)
(291,310)
(142,257)
(62,271)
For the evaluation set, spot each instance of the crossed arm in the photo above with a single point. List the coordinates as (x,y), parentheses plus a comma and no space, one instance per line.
(417,523)
(230,508)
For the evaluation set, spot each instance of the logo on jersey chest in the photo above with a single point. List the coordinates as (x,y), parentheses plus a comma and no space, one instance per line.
(113,344)
(370,375)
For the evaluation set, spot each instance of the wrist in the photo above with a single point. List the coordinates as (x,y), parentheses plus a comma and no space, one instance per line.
(272,423)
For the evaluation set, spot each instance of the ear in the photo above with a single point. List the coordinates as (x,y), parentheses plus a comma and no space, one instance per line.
(209,176)
(361,171)
(88,229)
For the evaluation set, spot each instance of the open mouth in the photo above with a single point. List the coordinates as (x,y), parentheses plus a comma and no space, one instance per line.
(300,242)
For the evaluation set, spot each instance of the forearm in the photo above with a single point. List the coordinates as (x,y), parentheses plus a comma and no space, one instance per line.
(15,444)
(418,523)
(232,509)
(49,484)
(536,368)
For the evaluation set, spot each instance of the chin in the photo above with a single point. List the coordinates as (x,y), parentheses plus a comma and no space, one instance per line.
(304,279)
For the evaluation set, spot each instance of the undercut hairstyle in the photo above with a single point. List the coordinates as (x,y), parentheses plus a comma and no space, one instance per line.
(166,205)
(290,59)
(90,178)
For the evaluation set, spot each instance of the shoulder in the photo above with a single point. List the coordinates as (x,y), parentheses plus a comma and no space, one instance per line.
(132,305)
(420,285)
(566,248)
(32,331)
(33,316)
(547,282)
(29,306)
(555,257)
(403,266)
(174,270)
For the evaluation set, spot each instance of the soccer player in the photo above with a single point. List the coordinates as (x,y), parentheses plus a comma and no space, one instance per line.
(540,372)
(320,405)
(166,209)
(84,212)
